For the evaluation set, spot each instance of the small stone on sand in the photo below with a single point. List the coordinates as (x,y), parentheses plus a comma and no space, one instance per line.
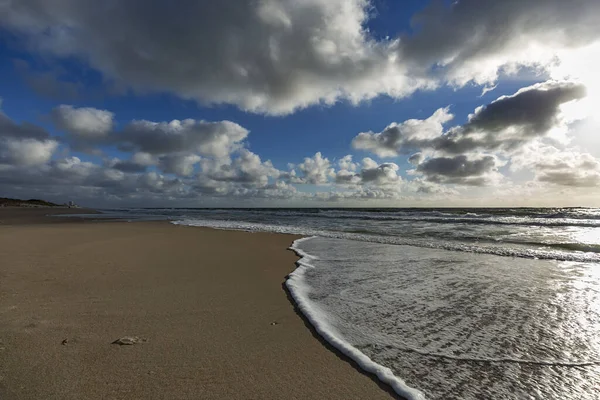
(129,340)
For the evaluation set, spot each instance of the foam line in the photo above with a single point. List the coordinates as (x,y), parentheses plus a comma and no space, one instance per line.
(395,240)
(299,291)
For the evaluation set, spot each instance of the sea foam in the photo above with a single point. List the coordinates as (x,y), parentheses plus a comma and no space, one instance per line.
(502,249)
(299,291)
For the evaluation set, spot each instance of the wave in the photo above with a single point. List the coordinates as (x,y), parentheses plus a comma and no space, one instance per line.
(511,360)
(470,219)
(299,291)
(463,217)
(396,240)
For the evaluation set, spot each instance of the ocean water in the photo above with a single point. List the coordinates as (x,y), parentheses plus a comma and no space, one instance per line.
(445,303)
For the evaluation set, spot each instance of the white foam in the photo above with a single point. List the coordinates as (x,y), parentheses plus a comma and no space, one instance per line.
(299,291)
(502,250)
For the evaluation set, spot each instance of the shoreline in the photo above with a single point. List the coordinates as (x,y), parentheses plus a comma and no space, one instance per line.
(208,301)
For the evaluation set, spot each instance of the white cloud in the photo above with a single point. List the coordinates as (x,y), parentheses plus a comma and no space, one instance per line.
(475,39)
(85,122)
(277,56)
(26,152)
(268,56)
(316,170)
(410,134)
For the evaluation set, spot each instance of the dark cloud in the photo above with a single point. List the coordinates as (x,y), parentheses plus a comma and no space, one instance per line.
(533,110)
(458,170)
(416,158)
(216,139)
(129,166)
(382,174)
(24,144)
(179,164)
(504,124)
(25,130)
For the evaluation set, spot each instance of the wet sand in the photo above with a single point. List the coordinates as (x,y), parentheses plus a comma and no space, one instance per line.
(211,305)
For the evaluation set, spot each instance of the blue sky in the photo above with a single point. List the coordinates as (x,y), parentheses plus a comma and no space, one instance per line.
(297,81)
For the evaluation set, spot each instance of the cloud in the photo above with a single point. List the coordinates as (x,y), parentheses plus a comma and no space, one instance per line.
(24,144)
(268,56)
(533,110)
(179,164)
(215,139)
(26,152)
(89,127)
(346,163)
(561,167)
(278,56)
(398,137)
(85,122)
(458,170)
(127,166)
(316,170)
(371,179)
(504,124)
(26,130)
(416,158)
(474,39)
(246,169)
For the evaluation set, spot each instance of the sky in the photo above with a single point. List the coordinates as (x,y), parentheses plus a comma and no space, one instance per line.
(311,103)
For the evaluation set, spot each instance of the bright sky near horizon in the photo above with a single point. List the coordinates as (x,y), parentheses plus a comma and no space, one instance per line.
(301,103)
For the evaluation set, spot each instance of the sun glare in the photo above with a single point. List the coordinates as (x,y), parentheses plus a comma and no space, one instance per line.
(581,65)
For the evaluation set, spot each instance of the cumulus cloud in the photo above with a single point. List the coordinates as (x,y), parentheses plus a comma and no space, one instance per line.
(276,56)
(406,136)
(458,170)
(176,141)
(316,170)
(474,39)
(85,122)
(271,56)
(562,167)
(179,164)
(247,169)
(24,144)
(372,180)
(504,124)
(215,139)
(26,152)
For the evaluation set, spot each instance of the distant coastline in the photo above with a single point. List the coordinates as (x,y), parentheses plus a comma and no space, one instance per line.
(35,203)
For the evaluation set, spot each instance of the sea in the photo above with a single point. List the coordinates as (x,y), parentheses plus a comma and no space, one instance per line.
(449,303)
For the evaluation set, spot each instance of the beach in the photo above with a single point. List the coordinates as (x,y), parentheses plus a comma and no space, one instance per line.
(209,307)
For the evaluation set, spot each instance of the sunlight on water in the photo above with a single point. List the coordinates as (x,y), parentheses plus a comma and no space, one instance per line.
(587,236)
(464,326)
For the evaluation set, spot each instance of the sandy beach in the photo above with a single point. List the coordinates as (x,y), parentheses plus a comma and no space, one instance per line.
(210,305)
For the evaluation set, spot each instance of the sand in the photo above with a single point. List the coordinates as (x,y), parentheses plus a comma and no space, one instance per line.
(211,305)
